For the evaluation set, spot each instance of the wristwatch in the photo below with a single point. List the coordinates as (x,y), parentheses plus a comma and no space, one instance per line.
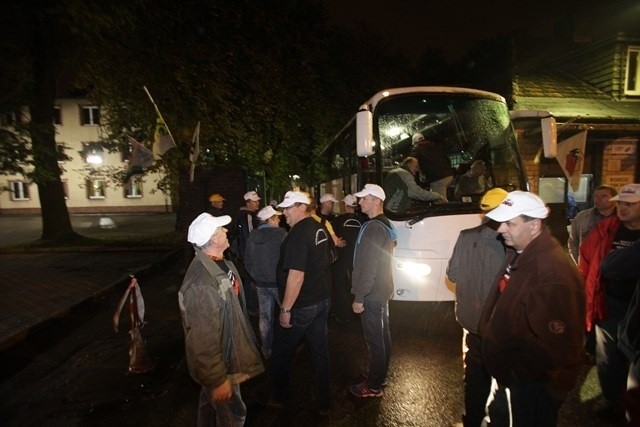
(285,310)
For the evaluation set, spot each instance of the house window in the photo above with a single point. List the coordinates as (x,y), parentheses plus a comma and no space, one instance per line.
(133,188)
(57,115)
(89,115)
(632,78)
(96,188)
(19,190)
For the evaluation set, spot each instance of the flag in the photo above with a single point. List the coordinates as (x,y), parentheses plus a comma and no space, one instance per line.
(571,158)
(141,157)
(195,151)
(162,139)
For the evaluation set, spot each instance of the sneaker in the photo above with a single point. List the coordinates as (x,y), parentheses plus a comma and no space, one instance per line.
(361,390)
(365,375)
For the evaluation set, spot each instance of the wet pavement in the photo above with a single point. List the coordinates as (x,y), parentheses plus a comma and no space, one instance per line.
(71,370)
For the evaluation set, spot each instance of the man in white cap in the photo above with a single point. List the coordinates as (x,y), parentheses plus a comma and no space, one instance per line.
(220,346)
(261,261)
(303,283)
(325,210)
(244,225)
(372,287)
(347,226)
(532,323)
(608,297)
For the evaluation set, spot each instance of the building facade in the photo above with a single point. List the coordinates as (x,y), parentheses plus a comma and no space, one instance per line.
(88,176)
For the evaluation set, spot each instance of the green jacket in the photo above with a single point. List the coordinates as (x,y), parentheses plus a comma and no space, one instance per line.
(219,341)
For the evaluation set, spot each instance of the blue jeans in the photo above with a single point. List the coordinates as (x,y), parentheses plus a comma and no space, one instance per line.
(612,364)
(377,336)
(231,413)
(308,322)
(267,300)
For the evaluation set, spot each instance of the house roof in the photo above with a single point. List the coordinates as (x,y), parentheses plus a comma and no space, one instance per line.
(567,97)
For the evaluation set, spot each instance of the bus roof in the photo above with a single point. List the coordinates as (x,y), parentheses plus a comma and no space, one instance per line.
(373,101)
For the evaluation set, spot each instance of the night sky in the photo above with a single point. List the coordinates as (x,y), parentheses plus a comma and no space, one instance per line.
(453,25)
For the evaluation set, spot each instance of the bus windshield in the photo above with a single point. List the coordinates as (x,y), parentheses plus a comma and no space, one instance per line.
(467,127)
(464,128)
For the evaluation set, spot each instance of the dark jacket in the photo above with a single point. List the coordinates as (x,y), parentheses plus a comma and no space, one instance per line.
(372,278)
(246,222)
(262,253)
(623,264)
(477,258)
(219,341)
(534,329)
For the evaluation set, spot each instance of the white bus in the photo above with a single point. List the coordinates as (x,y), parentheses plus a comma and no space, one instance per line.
(471,125)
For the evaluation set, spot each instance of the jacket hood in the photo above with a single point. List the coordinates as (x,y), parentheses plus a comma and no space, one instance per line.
(263,235)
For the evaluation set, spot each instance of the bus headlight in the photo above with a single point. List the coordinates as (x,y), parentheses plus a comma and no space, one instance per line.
(414,268)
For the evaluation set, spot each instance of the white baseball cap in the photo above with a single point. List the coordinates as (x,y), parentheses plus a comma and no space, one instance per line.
(519,203)
(204,226)
(267,212)
(417,137)
(293,197)
(630,193)
(373,189)
(350,200)
(251,195)
(328,197)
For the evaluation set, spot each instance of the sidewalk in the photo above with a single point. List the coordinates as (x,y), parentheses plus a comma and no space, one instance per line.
(37,286)
(40,286)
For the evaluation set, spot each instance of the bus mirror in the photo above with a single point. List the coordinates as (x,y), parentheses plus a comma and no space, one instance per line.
(549,137)
(364,133)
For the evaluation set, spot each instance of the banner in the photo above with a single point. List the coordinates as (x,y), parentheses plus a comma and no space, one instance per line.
(571,158)
(141,158)
(162,139)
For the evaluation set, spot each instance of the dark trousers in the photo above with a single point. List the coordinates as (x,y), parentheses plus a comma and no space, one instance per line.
(612,364)
(534,405)
(341,290)
(477,388)
(377,336)
(310,323)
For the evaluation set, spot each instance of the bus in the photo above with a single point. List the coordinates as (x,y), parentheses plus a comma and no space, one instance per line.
(469,125)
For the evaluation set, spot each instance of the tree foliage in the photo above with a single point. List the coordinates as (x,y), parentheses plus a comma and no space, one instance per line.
(271,82)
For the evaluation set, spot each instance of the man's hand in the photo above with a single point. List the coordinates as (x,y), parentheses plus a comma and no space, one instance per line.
(285,320)
(223,392)
(357,307)
(340,242)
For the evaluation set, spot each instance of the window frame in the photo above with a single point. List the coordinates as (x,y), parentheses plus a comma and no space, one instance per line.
(632,68)
(133,188)
(22,188)
(93,115)
(90,186)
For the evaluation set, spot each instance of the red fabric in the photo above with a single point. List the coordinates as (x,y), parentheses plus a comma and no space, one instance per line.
(592,251)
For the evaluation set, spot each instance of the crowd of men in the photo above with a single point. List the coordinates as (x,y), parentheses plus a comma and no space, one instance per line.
(524,302)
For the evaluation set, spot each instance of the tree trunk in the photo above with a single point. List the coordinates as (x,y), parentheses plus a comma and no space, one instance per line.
(56,225)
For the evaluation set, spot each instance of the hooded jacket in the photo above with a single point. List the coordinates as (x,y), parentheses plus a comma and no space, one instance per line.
(262,253)
(219,341)
(372,278)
